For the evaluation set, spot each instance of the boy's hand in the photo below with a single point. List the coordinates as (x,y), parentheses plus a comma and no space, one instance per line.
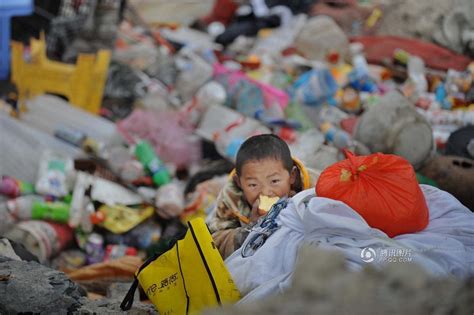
(254,215)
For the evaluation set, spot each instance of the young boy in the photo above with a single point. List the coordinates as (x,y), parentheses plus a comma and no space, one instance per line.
(264,167)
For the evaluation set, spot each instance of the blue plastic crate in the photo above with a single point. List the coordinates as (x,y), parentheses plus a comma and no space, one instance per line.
(9,8)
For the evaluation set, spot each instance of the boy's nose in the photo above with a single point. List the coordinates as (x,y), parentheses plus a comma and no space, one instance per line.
(268,192)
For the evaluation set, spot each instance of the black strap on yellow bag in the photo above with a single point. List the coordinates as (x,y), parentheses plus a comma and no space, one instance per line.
(187,278)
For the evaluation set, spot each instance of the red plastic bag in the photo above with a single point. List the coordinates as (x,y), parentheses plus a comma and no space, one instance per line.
(382,188)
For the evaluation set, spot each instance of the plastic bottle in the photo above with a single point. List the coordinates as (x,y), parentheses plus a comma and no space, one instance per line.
(21,207)
(146,155)
(338,137)
(359,77)
(331,114)
(72,136)
(95,248)
(54,211)
(416,73)
(54,174)
(441,97)
(12,187)
(358,59)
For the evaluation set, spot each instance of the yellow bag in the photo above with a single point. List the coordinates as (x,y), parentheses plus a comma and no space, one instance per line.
(188,278)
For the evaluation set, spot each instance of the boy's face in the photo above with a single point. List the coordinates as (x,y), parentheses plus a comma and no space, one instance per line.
(266,177)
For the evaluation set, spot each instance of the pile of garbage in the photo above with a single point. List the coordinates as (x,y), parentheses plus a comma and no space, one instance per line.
(80,190)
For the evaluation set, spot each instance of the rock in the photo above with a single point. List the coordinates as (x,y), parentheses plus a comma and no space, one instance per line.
(323,285)
(7,250)
(31,287)
(112,306)
(118,290)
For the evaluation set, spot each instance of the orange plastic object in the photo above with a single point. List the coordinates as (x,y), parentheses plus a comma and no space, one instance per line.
(82,83)
(382,188)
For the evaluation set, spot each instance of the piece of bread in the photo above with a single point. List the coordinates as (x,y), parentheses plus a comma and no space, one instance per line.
(266,204)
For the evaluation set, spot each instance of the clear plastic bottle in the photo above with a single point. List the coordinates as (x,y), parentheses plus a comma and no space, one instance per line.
(416,73)
(55,174)
(358,59)
(338,137)
(359,77)
(21,207)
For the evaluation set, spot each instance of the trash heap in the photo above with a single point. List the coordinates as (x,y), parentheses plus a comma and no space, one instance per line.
(181,102)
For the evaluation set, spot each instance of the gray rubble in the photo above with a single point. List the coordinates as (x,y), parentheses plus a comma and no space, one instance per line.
(323,285)
(31,287)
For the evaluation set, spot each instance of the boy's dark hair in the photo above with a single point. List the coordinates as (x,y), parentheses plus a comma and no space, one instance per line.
(262,147)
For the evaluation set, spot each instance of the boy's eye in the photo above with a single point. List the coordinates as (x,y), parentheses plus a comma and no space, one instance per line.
(275,181)
(252,185)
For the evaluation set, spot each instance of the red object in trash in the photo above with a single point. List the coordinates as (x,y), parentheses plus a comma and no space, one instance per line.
(117,251)
(380,48)
(382,188)
(348,124)
(222,11)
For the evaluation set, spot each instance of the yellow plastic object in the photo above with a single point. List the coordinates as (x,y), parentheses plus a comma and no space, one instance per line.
(82,83)
(121,219)
(188,278)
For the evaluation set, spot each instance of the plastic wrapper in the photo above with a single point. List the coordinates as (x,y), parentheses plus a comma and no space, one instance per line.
(167,132)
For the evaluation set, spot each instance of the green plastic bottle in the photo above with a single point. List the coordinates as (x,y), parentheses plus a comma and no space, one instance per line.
(146,155)
(54,211)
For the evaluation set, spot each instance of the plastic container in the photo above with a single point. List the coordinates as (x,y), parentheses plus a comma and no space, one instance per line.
(54,175)
(95,248)
(146,155)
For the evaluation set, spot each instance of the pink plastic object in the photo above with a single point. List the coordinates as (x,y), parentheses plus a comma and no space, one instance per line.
(271,94)
(167,131)
(9,187)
